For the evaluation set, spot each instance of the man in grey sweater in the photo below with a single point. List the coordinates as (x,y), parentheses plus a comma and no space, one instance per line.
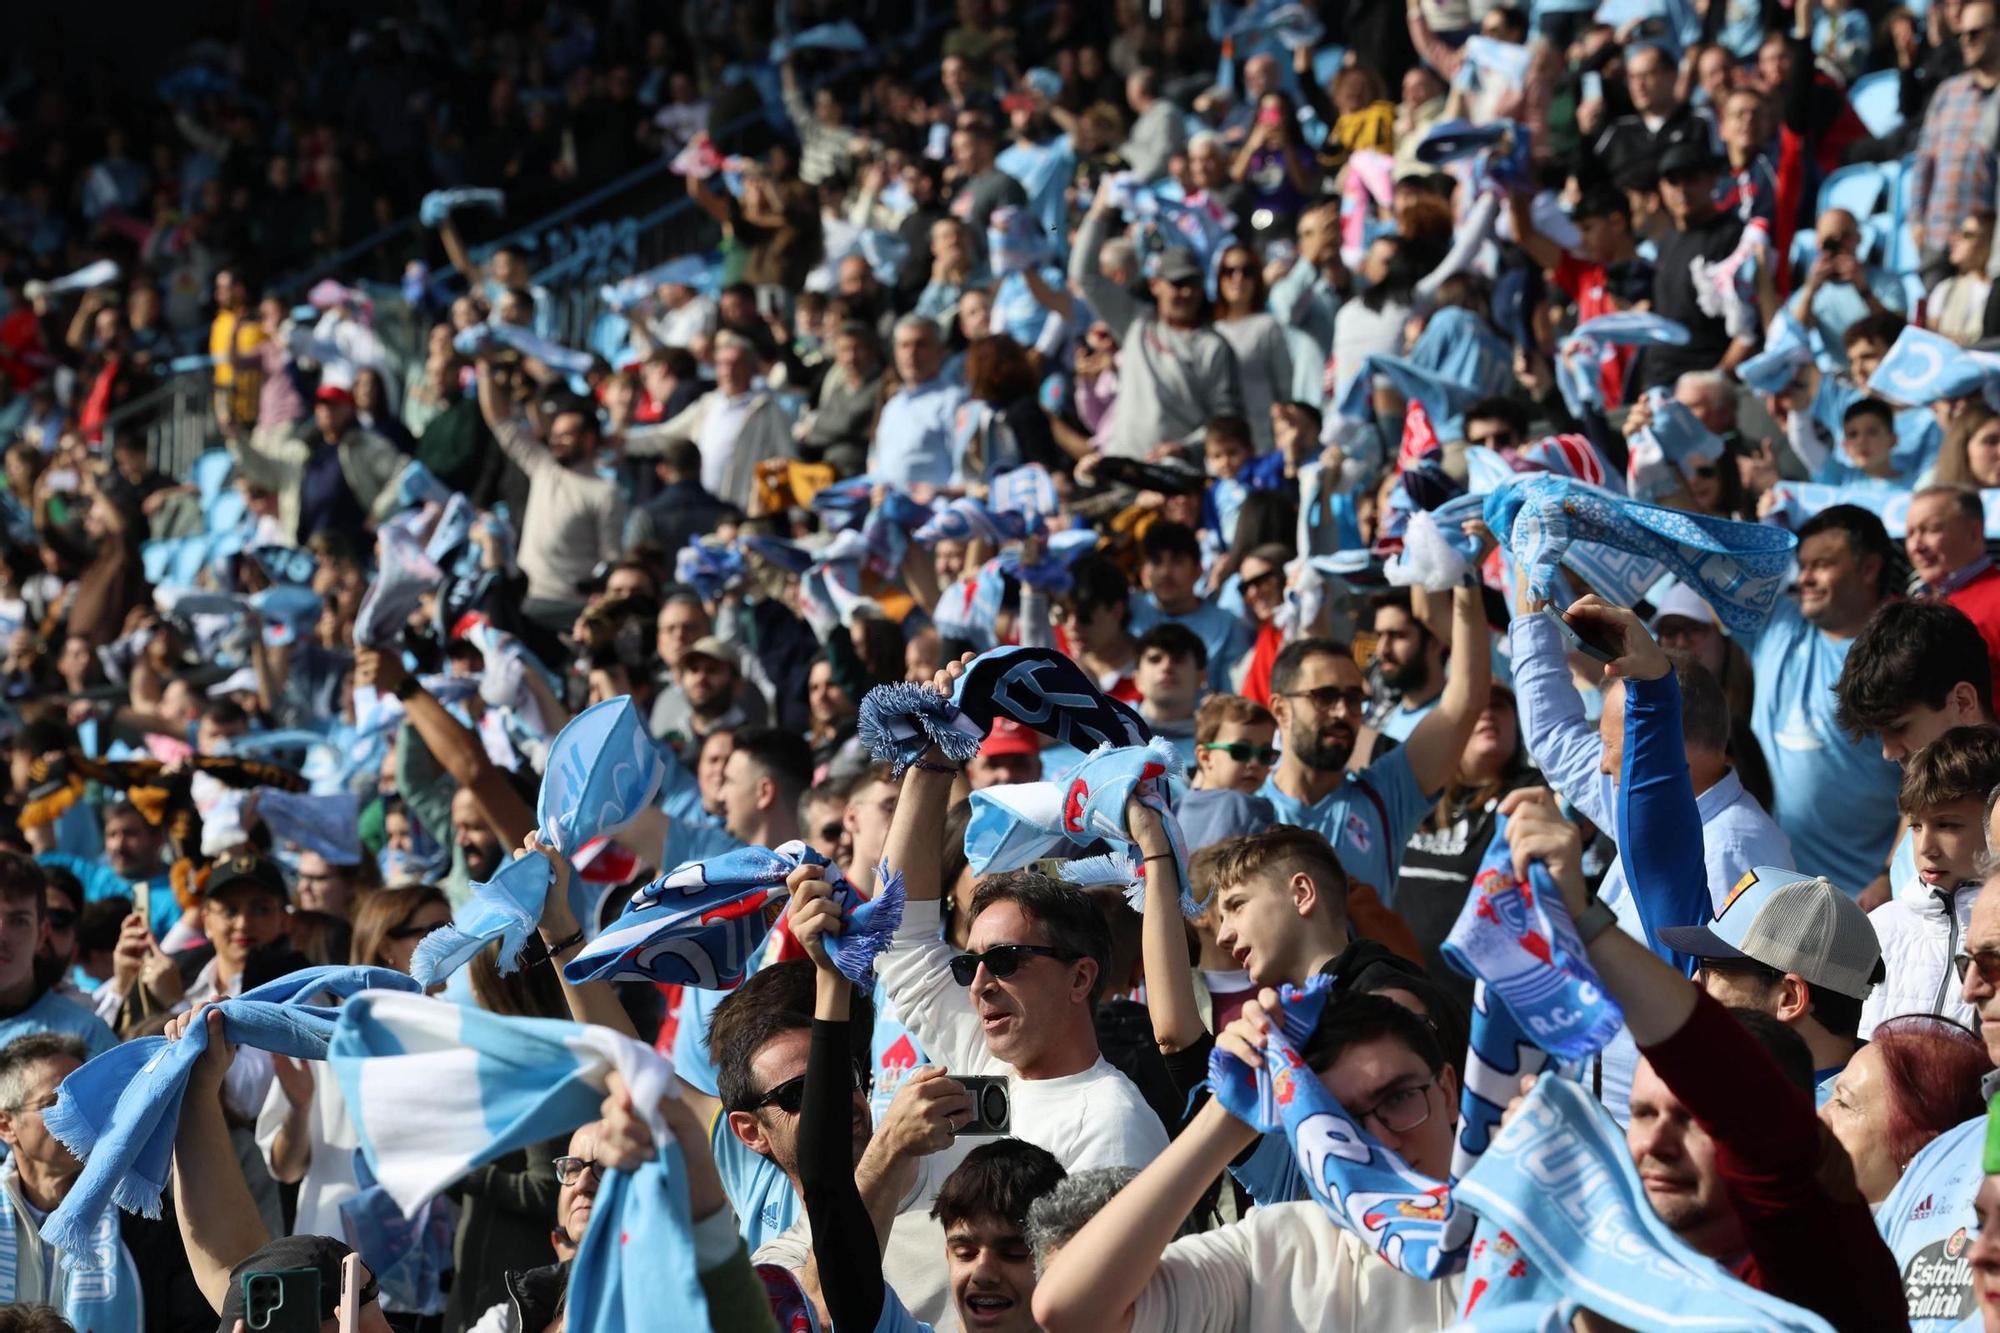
(1175,374)
(1160,130)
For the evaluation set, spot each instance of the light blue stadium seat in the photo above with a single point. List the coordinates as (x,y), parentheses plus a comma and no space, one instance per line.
(1877,100)
(211,473)
(1861,189)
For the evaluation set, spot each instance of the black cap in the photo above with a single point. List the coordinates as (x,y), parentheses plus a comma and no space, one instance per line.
(321,1253)
(1690,154)
(247,869)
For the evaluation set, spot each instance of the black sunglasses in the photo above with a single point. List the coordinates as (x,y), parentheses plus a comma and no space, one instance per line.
(790,1095)
(414,932)
(1328,697)
(1243,752)
(61,918)
(831,831)
(1002,960)
(1234,270)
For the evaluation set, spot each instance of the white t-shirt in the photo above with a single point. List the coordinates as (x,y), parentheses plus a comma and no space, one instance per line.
(331,1142)
(1093,1118)
(1287,1269)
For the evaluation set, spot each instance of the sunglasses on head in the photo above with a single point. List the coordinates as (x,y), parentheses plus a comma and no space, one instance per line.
(1002,961)
(1243,752)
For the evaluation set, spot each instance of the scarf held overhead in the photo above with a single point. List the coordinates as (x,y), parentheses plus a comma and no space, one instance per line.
(698,924)
(602,770)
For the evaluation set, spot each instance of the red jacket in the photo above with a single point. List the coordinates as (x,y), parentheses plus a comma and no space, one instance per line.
(1980,600)
(1812,1239)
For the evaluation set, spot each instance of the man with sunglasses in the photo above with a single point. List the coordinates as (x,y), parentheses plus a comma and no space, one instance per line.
(1952,175)
(1021,1001)
(1175,373)
(1317,696)
(1928,1216)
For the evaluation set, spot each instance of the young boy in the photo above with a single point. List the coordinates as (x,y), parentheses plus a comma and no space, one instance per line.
(1226,450)
(1945,786)
(1170,571)
(1867,438)
(1234,744)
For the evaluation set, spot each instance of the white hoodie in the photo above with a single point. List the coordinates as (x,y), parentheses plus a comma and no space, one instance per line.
(1919,930)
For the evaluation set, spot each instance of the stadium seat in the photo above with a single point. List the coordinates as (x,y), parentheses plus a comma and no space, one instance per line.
(1877,100)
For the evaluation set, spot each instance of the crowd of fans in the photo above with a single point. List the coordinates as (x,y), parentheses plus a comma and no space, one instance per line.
(1472,446)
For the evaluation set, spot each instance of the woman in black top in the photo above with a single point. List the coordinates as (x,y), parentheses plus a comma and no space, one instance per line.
(1443,854)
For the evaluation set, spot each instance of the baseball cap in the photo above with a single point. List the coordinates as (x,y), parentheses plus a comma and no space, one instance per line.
(247,869)
(1792,922)
(708,645)
(336,385)
(1008,737)
(243,680)
(1178,264)
(322,1253)
(1683,603)
(1693,153)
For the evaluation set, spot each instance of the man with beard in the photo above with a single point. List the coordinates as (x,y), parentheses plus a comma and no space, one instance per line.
(1317,694)
(1411,659)
(713,696)
(472,837)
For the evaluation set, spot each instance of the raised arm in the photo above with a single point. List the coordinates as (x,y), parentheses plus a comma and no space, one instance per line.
(456,749)
(455,251)
(1659,824)
(1111,302)
(1435,746)
(1170,997)
(219,1222)
(1561,740)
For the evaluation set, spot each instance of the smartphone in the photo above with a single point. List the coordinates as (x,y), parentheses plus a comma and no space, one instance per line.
(350,1293)
(1591,640)
(991,1112)
(1270,116)
(1593,87)
(284,1300)
(62,479)
(142,903)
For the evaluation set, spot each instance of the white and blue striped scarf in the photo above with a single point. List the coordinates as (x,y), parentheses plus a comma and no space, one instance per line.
(436,1089)
(118,1113)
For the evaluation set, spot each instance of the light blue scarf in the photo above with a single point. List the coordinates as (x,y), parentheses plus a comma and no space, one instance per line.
(435,1089)
(118,1113)
(98,1287)
(1016,825)
(1564,1221)
(602,770)
(438,205)
(1738,568)
(403,576)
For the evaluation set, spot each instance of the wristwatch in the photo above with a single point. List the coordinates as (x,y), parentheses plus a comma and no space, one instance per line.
(1594,920)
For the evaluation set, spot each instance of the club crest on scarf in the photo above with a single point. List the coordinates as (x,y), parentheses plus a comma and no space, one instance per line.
(700,923)
(1516,936)
(1408,1219)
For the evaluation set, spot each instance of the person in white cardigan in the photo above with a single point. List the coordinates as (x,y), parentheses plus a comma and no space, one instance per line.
(736,425)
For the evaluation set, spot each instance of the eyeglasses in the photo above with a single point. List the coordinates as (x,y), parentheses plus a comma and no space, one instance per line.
(61,918)
(414,931)
(1402,1110)
(831,831)
(1986,960)
(1002,960)
(790,1095)
(1499,439)
(569,1170)
(1975,34)
(1706,471)
(1331,698)
(1244,752)
(1259,580)
(1183,284)
(1234,271)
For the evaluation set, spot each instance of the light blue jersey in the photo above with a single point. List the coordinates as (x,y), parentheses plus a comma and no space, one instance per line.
(1368,833)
